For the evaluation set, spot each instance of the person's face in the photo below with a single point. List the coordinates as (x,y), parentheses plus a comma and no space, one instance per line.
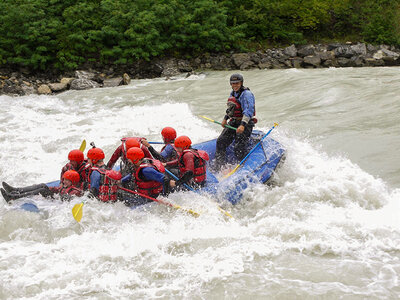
(74,163)
(236,86)
(66,182)
(179,149)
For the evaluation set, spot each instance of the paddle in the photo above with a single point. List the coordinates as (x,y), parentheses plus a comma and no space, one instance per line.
(252,150)
(227,126)
(193,190)
(83,146)
(160,201)
(77,209)
(157,143)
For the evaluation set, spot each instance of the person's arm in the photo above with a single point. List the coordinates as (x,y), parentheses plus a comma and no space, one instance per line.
(155,153)
(117,154)
(172,163)
(146,152)
(126,178)
(152,174)
(188,171)
(247,102)
(95,183)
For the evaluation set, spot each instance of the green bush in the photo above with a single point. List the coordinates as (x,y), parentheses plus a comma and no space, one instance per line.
(64,34)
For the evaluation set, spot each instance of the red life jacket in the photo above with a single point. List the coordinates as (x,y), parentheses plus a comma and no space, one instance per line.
(149,187)
(200,157)
(237,107)
(108,188)
(71,190)
(82,171)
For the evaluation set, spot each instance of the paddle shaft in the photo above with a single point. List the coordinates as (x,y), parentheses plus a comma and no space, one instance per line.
(252,150)
(157,143)
(160,201)
(216,122)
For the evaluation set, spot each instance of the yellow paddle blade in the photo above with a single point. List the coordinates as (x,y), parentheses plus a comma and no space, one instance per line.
(187,210)
(83,146)
(224,212)
(233,171)
(77,212)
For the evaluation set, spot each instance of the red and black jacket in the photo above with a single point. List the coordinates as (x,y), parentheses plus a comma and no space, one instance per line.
(150,188)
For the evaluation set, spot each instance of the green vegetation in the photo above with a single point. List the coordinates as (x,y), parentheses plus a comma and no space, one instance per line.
(64,34)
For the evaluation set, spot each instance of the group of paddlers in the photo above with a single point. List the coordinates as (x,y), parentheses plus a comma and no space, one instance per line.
(142,171)
(145,172)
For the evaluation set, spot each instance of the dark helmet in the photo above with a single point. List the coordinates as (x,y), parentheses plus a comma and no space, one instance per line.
(236,78)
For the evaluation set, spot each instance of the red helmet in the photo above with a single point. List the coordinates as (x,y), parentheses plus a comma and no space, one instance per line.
(132,142)
(95,154)
(116,175)
(168,134)
(135,154)
(72,175)
(76,155)
(183,142)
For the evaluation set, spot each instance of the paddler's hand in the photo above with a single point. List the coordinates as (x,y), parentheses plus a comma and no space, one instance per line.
(240,129)
(145,142)
(172,183)
(223,123)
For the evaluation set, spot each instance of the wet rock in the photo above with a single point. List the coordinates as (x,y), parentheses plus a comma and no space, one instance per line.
(66,80)
(83,84)
(113,82)
(126,79)
(170,68)
(28,89)
(58,87)
(44,89)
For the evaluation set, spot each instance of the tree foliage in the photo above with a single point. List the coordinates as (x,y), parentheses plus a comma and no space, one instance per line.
(64,34)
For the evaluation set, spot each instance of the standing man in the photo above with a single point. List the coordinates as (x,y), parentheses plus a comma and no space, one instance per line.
(240,113)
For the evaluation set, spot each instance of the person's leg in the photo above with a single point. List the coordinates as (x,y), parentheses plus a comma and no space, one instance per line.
(223,141)
(29,188)
(41,189)
(242,141)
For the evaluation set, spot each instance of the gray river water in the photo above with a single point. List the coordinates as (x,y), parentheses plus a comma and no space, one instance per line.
(328,228)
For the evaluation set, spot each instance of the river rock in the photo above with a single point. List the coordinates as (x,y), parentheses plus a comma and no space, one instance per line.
(28,89)
(113,82)
(170,68)
(126,78)
(44,89)
(307,50)
(66,80)
(240,59)
(83,84)
(58,87)
(290,51)
(312,60)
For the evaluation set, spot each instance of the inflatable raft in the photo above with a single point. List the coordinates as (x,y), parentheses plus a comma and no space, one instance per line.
(259,167)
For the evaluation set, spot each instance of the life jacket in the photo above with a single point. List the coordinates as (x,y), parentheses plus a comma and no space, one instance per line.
(149,187)
(234,109)
(200,158)
(174,154)
(83,171)
(108,187)
(66,193)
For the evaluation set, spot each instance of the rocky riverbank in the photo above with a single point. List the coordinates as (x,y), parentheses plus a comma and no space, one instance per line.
(94,76)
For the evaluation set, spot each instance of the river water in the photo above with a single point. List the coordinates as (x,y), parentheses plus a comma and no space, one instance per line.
(328,228)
